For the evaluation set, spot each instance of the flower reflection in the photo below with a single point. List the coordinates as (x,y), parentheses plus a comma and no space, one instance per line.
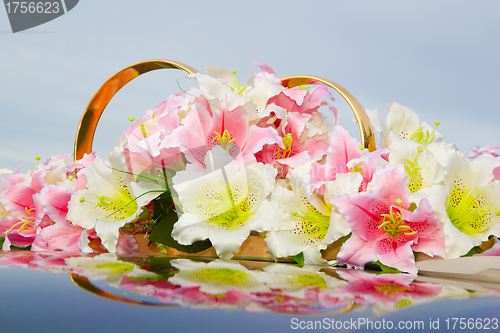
(250,285)
(218,277)
(394,289)
(106,267)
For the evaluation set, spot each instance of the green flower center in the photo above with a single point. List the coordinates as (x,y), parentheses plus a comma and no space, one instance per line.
(119,267)
(313,225)
(120,206)
(226,276)
(467,214)
(229,220)
(310,280)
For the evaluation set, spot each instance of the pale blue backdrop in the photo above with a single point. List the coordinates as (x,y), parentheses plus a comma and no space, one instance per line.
(440,58)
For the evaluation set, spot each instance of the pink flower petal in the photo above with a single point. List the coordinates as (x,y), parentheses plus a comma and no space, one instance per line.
(18,198)
(396,253)
(429,230)
(363,213)
(356,251)
(264,67)
(54,200)
(391,184)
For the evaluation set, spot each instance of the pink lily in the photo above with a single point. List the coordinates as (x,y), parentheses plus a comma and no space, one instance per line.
(18,226)
(204,128)
(145,136)
(61,235)
(384,229)
(296,147)
(305,100)
(342,149)
(8,180)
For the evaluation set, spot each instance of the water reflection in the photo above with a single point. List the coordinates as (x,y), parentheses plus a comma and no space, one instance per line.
(250,285)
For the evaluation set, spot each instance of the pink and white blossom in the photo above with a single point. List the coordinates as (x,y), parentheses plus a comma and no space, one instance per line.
(383,229)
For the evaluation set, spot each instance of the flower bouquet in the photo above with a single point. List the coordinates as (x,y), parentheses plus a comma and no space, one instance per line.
(258,171)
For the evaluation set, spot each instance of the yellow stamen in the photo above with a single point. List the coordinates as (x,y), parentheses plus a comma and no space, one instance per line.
(391,288)
(419,137)
(225,140)
(314,223)
(239,89)
(143,127)
(466,214)
(413,170)
(287,142)
(24,225)
(362,148)
(37,158)
(28,211)
(394,224)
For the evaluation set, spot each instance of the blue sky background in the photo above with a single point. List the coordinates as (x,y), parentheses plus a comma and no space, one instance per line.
(440,58)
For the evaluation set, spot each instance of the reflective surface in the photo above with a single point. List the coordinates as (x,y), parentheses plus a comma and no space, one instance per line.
(127,294)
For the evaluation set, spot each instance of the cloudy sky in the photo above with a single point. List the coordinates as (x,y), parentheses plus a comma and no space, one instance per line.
(440,58)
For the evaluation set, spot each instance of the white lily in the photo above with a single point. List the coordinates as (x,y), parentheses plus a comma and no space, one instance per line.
(222,84)
(295,281)
(472,203)
(224,203)
(218,276)
(111,199)
(421,167)
(106,267)
(309,214)
(405,123)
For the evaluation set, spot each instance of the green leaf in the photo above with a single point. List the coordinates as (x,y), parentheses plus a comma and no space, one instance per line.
(161,266)
(161,204)
(412,207)
(299,259)
(346,237)
(14,248)
(473,251)
(143,214)
(386,269)
(147,177)
(162,234)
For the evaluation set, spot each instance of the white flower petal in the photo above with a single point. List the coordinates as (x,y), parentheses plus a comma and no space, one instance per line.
(456,242)
(226,243)
(188,229)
